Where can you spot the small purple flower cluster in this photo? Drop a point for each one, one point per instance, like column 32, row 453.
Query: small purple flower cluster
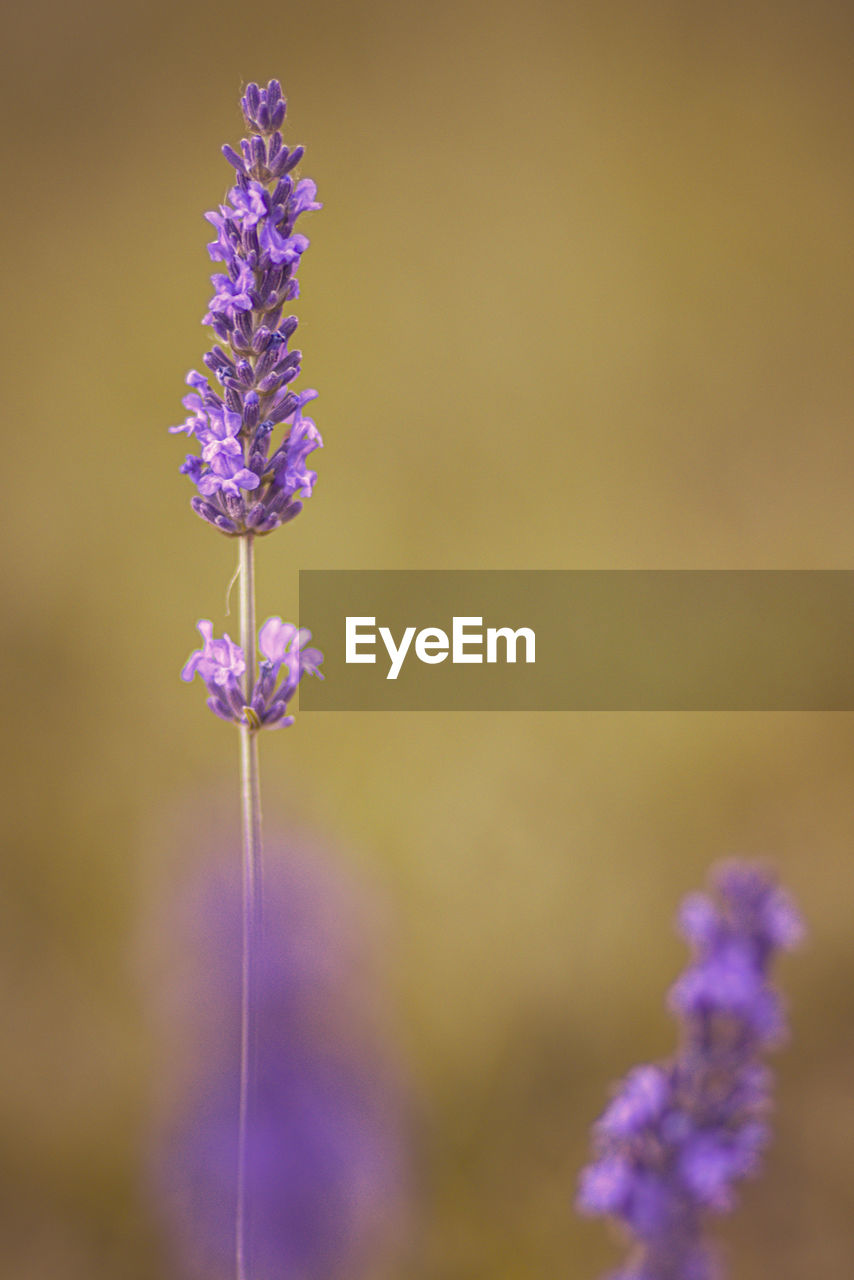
column 245, row 485
column 678, row 1135
column 221, row 664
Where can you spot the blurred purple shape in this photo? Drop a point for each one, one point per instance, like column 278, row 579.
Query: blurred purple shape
column 326, row 1152
column 677, row 1136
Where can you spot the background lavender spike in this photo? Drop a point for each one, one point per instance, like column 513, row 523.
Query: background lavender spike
column 258, row 245
column 326, row 1151
column 677, row 1136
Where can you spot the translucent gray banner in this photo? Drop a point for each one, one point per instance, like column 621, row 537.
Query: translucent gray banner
column 571, row 640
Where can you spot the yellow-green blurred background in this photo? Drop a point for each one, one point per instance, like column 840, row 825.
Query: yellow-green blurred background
column 581, row 295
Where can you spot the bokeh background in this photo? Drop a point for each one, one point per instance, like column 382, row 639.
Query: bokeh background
column 582, row 295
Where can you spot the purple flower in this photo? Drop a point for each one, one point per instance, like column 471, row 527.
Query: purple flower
column 678, row 1136
column 290, row 471
column 604, row 1187
column 304, row 201
column 248, row 482
column 250, row 204
column 281, row 643
column 326, row 1159
column 221, row 663
column 232, row 294
column 640, row 1102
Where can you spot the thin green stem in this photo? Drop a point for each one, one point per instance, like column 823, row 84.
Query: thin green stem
column 252, row 850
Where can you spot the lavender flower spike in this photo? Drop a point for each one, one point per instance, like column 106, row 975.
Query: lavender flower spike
column 246, row 483
column 221, row 663
column 678, row 1135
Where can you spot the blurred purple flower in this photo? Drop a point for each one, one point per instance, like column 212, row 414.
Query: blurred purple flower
column 242, row 488
column 325, row 1142
column 679, row 1135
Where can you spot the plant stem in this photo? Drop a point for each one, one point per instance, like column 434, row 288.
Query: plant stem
column 251, row 810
